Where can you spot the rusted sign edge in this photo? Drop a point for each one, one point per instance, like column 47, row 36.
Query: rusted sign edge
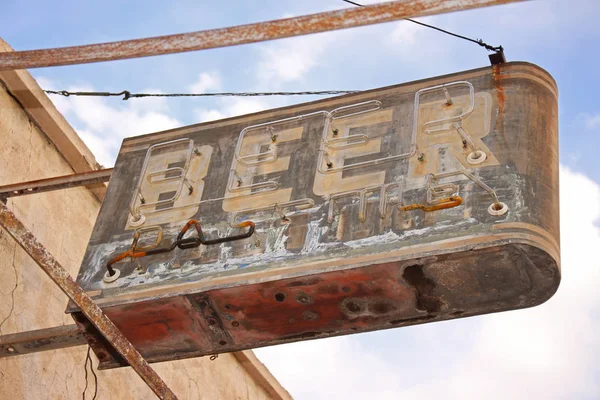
column 522, row 235
column 60, row 276
column 236, row 35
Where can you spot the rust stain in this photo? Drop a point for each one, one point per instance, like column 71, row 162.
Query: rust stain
column 160, row 324
column 339, row 301
column 500, row 96
column 450, row 202
column 500, row 99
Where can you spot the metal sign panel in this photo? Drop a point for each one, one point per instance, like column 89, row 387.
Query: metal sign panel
column 419, row 202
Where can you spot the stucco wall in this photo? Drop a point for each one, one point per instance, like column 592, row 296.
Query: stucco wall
column 62, row 221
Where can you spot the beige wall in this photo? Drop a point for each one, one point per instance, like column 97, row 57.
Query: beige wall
column 62, row 221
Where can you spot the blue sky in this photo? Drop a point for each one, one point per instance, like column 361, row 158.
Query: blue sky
column 546, row 352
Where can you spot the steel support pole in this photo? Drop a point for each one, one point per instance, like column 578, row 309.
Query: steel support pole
column 56, row 183
column 58, row 337
column 236, row 35
column 61, row 277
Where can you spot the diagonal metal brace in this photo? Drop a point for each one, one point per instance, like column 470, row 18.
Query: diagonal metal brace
column 43, row 258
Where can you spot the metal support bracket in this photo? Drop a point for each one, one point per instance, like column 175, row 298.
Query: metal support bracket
column 58, row 337
column 498, row 57
column 49, row 264
column 56, row 183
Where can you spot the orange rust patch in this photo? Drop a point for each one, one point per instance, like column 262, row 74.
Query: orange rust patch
column 500, row 99
column 309, row 306
column 167, row 323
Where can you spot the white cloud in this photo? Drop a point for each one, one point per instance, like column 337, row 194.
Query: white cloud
column 549, row 351
column 230, row 107
column 405, row 33
column 203, row 115
column 63, row 104
column 290, row 60
column 206, row 81
column 592, row 121
column 102, row 123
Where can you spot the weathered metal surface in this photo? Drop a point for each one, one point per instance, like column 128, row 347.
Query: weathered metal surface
column 414, row 203
column 56, row 183
column 61, row 277
column 251, row 33
column 58, row 337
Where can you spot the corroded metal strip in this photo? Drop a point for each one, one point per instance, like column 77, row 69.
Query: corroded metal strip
column 58, row 337
column 61, row 277
column 243, row 34
column 56, row 183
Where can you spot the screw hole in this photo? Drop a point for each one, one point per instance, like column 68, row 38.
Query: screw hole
column 222, row 342
column 280, row 297
column 353, row 306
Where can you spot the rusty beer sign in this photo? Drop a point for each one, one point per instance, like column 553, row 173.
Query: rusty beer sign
column 413, row 203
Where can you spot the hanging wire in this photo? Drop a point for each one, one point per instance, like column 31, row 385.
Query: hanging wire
column 476, row 41
column 128, row 95
column 88, row 358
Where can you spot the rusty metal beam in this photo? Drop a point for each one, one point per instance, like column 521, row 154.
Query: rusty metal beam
column 61, row 277
column 58, row 337
column 56, row 183
column 236, row 35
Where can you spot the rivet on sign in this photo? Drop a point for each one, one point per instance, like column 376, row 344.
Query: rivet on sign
column 10, row 349
column 335, row 132
column 329, row 164
column 421, row 157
